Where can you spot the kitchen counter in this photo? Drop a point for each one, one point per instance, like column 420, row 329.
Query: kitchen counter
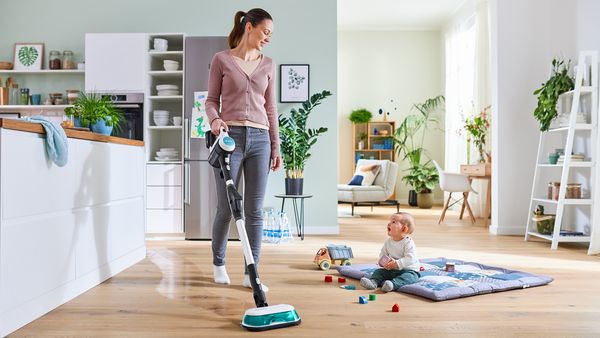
column 71, row 133
column 64, row 230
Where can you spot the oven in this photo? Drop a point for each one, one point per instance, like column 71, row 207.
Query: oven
column 132, row 106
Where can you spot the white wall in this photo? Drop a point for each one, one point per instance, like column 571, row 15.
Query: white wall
column 526, row 35
column 376, row 66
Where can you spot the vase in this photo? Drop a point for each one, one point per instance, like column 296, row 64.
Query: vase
column 293, row 186
column 468, row 151
column 361, row 145
column 425, row 200
column 412, row 198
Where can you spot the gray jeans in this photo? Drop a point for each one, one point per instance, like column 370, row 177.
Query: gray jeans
column 252, row 155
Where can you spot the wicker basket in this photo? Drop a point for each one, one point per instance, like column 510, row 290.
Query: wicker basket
column 544, row 223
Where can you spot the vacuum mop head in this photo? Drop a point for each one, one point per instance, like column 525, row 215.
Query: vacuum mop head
column 270, row 317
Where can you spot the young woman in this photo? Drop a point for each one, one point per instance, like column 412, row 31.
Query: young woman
column 242, row 84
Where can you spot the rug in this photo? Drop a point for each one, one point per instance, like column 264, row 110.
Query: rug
column 468, row 279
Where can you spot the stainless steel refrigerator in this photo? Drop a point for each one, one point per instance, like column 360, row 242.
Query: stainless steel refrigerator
column 200, row 197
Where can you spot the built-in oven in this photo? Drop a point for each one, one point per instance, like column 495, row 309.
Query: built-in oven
column 132, row 106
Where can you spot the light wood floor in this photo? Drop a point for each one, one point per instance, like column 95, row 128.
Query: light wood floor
column 171, row 294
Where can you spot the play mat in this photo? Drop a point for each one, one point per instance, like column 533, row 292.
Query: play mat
column 468, row 279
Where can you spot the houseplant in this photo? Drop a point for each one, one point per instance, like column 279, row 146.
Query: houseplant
column 296, row 141
column 360, row 115
column 410, row 135
column 477, row 129
column 423, row 178
column 96, row 111
column 548, row 94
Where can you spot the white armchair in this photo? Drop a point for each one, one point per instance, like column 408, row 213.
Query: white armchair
column 454, row 182
column 377, row 194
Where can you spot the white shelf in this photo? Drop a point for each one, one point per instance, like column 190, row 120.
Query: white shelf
column 164, row 162
column 572, row 239
column 584, row 90
column 166, row 98
column 574, row 164
column 579, row 126
column 166, row 73
column 167, row 53
column 165, row 127
column 567, row 201
column 34, row 107
column 43, row 71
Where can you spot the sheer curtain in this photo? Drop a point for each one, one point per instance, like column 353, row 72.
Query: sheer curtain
column 468, row 90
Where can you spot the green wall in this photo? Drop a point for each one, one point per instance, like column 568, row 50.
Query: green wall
column 304, row 32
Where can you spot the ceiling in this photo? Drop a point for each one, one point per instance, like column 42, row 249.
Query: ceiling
column 395, row 14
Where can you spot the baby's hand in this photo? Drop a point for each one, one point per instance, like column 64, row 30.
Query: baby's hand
column 391, row 265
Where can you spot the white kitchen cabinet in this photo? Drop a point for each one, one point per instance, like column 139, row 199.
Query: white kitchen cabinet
column 163, row 220
column 115, row 62
column 163, row 197
column 163, row 175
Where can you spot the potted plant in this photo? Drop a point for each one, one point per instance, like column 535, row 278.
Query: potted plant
column 296, row 141
column 410, row 135
column 362, row 137
column 477, row 128
column 423, row 178
column 360, row 115
column 97, row 112
column 548, row 94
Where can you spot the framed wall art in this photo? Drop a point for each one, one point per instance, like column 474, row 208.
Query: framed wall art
column 28, row 56
column 294, row 82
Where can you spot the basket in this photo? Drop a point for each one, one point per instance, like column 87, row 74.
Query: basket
column 544, row 223
column 5, row 65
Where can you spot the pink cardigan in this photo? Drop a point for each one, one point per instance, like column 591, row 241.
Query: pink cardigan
column 243, row 97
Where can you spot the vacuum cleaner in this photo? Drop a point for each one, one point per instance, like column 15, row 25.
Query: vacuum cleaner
column 263, row 317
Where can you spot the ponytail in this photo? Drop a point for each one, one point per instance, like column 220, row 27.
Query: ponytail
column 254, row 16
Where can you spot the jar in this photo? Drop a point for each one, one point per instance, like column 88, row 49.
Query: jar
column 54, row 60
column 24, row 98
column 68, row 62
column 573, row 190
column 14, row 95
column 72, row 95
column 555, row 190
column 550, row 190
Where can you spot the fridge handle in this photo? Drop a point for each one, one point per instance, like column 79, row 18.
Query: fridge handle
column 186, row 137
column 186, row 183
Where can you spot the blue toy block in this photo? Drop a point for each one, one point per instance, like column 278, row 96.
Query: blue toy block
column 362, row 300
column 348, row 287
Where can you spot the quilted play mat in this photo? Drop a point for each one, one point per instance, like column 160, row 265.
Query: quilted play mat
column 468, row 279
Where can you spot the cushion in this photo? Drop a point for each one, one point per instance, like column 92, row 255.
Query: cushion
column 365, row 175
column 468, row 279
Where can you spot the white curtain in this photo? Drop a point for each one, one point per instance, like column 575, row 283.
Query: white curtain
column 468, row 90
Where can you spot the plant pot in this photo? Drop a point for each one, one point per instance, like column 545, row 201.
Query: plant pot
column 100, row 127
column 412, row 198
column 425, row 200
column 293, row 186
column 77, row 123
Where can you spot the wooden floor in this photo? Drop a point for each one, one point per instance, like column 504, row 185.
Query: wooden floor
column 171, row 293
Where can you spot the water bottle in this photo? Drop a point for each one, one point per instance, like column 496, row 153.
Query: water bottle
column 265, row 216
column 270, row 227
column 285, row 225
column 277, row 228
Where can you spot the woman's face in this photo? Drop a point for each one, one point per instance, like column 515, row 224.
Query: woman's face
column 259, row 36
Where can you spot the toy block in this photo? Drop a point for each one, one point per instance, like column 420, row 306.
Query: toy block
column 372, row 296
column 348, row 287
column 449, row 267
column 396, row 308
column 341, row 280
column 328, row 279
column 422, row 268
column 362, row 300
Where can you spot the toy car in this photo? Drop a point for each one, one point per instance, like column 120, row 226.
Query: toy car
column 328, row 255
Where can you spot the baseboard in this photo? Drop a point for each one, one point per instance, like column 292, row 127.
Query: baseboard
column 15, row 318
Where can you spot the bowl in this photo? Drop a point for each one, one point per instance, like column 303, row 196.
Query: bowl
column 172, row 62
column 171, row 67
column 168, row 154
column 167, row 92
column 167, row 86
column 168, row 149
column 161, row 121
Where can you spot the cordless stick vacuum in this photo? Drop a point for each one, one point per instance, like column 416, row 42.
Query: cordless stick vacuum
column 263, row 317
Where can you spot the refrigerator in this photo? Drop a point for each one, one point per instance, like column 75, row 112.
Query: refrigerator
column 200, row 196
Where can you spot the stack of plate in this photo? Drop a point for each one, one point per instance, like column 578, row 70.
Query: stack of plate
column 167, row 90
column 167, row 154
column 161, row 117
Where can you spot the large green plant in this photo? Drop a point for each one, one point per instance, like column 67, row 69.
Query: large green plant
column 548, row 94
column 410, row 135
column 90, row 108
column 422, row 177
column 297, row 138
column 360, row 115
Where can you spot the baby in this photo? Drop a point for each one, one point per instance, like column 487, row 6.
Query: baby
column 398, row 256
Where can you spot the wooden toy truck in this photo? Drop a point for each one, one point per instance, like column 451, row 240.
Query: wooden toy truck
column 328, row 255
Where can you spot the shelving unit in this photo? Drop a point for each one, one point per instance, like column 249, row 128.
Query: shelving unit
column 43, row 71
column 164, row 209
column 575, row 215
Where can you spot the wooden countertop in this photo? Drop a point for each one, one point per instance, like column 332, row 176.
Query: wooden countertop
column 72, row 133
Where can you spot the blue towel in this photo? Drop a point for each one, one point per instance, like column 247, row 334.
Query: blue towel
column 57, row 146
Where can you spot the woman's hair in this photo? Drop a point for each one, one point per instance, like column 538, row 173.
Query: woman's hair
column 254, row 16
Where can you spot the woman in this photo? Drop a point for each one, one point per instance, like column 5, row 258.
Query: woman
column 244, row 79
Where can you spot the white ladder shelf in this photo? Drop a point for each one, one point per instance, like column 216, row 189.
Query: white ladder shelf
column 584, row 133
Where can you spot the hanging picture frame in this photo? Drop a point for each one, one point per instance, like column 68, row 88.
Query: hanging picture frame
column 294, row 82
column 28, row 56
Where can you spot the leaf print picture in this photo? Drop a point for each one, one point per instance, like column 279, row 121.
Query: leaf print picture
column 294, row 82
column 28, row 56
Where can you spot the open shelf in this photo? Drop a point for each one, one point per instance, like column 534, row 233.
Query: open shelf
column 43, row 71
column 35, row 107
column 567, row 201
column 584, row 90
column 573, row 239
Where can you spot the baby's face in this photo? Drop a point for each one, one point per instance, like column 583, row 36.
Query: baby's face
column 395, row 228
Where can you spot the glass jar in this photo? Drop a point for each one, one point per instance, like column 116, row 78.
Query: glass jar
column 550, row 190
column 54, row 60
column 14, row 95
column 24, row 98
column 573, row 190
column 555, row 190
column 68, row 62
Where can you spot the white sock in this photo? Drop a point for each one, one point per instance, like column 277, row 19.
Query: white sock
column 387, row 286
column 246, row 283
column 220, row 274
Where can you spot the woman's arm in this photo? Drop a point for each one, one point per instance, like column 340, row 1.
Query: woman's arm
column 272, row 116
column 215, row 81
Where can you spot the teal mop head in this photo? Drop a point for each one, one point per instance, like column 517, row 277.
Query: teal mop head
column 270, row 317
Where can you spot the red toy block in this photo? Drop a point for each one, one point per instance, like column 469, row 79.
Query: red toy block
column 421, row 269
column 341, row 280
column 396, row 308
column 328, row 279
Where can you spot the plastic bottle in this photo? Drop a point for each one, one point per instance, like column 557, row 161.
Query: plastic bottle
column 287, row 231
column 277, row 228
column 270, row 226
column 265, row 215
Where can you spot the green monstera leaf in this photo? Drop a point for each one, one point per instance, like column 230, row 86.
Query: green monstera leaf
column 28, row 55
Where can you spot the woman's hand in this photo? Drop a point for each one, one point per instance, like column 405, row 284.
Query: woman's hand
column 216, row 125
column 276, row 163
